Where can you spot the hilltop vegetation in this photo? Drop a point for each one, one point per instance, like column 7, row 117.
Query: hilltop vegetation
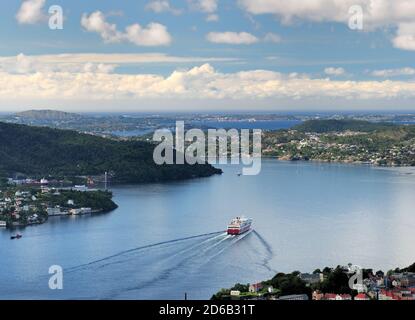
column 40, row 151
column 96, row 200
column 344, row 141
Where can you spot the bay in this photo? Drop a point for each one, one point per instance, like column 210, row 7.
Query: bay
column 168, row 239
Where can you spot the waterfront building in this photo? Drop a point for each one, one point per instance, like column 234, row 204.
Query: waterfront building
column 294, row 297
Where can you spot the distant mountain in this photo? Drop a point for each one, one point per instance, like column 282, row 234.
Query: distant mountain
column 47, row 115
column 322, row 126
column 41, row 151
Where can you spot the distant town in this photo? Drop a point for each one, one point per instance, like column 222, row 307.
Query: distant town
column 351, row 141
column 328, row 284
column 129, row 125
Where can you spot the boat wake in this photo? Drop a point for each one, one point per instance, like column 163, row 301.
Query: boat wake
column 72, row 269
column 133, row 273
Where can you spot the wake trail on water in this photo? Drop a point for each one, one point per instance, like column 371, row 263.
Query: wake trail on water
column 76, row 268
column 149, row 265
column 270, row 253
column 205, row 254
column 193, row 249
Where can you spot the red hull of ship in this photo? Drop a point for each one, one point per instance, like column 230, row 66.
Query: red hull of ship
column 238, row 231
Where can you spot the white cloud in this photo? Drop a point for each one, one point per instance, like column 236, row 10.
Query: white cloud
column 22, row 64
column 231, row 37
column 272, row 37
column 394, row 72
column 405, row 36
column 159, row 6
column 200, row 83
column 212, row 18
column 334, row 71
column 92, row 62
column 31, row 12
column 154, row 34
column 272, row 58
column 208, row 6
column 96, row 22
column 399, row 14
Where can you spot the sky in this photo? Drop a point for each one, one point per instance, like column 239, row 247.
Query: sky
column 202, row 55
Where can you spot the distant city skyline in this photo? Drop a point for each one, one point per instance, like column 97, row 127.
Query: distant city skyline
column 207, row 55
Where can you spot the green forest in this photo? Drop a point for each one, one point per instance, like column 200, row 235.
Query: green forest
column 44, row 152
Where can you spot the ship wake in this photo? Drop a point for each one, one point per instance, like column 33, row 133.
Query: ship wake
column 138, row 270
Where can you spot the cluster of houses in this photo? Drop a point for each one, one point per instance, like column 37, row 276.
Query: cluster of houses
column 334, row 151
column 59, row 211
column 27, row 181
column 394, row 286
column 397, row 286
column 18, row 207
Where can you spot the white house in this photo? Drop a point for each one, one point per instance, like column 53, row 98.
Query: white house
column 75, row 211
column 54, row 211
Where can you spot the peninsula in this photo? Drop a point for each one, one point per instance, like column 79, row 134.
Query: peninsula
column 50, row 172
column 347, row 140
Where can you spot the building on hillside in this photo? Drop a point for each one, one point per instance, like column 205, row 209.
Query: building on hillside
column 256, row 287
column 311, row 278
column 56, row 211
column 408, row 280
column 361, row 296
column 75, row 211
column 331, row 296
column 317, row 295
column 295, row 297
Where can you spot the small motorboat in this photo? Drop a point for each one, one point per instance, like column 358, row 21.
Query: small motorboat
column 17, row 236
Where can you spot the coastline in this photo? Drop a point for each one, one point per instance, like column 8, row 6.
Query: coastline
column 337, row 161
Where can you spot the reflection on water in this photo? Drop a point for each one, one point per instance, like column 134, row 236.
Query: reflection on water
column 164, row 239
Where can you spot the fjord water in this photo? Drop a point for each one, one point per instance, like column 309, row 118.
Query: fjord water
column 167, row 239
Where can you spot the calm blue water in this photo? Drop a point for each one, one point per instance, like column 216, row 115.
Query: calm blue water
column 261, row 124
column 306, row 215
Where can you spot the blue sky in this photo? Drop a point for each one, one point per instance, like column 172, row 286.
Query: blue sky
column 207, row 54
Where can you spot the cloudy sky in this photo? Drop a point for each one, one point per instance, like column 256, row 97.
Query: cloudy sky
column 195, row 55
